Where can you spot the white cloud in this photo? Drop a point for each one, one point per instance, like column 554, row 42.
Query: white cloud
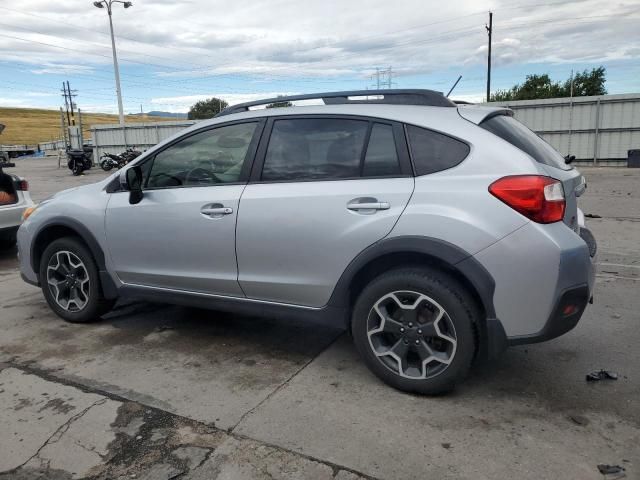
column 316, row 37
column 310, row 45
column 62, row 69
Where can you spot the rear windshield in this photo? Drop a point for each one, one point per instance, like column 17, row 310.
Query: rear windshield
column 514, row 132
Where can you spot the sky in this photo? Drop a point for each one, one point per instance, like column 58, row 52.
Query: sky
column 175, row 52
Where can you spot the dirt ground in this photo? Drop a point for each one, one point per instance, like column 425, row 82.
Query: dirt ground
column 160, row 392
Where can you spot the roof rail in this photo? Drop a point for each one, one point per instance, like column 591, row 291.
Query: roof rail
column 388, row 96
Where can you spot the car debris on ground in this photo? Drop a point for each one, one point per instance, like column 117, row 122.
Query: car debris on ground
column 598, row 375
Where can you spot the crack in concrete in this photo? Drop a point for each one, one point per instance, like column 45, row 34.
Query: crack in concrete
column 49, row 376
column 283, row 384
column 57, row 435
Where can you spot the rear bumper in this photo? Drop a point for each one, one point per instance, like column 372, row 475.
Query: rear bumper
column 566, row 315
column 11, row 215
column 544, row 276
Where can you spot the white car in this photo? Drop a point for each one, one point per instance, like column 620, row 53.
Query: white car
column 14, row 200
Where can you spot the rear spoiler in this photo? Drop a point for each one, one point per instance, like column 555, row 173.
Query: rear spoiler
column 479, row 113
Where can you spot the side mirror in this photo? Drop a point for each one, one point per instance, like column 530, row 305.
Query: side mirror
column 131, row 180
column 569, row 159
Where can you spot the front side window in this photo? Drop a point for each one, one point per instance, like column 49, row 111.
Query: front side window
column 310, row 148
column 432, row 151
column 207, row 158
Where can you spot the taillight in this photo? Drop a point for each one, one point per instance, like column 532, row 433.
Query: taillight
column 538, row 198
column 22, row 185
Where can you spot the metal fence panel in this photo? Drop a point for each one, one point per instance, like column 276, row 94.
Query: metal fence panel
column 115, row 139
column 594, row 129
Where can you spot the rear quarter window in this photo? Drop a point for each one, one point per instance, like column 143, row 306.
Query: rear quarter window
column 432, row 151
column 518, row 135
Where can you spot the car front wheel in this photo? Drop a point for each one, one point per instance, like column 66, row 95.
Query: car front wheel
column 415, row 329
column 70, row 281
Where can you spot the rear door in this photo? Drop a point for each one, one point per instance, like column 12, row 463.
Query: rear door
column 323, row 188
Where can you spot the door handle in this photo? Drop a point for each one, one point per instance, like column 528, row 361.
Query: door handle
column 216, row 210
column 367, row 204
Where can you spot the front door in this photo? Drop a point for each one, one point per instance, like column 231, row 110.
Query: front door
column 182, row 234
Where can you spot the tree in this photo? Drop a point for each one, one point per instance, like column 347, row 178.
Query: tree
column 206, row 108
column 587, row 83
column 279, row 104
column 541, row 86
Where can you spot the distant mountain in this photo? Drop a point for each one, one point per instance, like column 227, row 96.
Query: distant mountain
column 157, row 113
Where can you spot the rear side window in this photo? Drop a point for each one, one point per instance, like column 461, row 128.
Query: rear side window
column 314, row 148
column 514, row 132
column 381, row 158
column 432, row 151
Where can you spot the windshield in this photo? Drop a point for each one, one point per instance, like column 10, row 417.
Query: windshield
column 514, row 132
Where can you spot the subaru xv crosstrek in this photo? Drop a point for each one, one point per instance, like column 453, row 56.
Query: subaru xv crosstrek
column 436, row 233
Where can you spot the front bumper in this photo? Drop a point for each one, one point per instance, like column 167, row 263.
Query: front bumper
column 11, row 215
column 24, row 255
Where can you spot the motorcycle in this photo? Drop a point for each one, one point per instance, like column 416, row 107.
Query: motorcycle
column 110, row 160
column 131, row 154
column 78, row 161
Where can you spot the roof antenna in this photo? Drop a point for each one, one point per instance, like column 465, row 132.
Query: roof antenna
column 454, row 86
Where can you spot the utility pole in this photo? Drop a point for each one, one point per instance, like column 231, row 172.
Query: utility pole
column 69, row 104
column 66, row 102
column 490, row 32
column 570, row 113
column 116, row 70
column 389, row 77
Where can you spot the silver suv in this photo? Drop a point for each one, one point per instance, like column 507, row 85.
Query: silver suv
column 436, row 233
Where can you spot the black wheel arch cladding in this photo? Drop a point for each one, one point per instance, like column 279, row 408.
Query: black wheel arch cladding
column 452, row 256
column 58, row 226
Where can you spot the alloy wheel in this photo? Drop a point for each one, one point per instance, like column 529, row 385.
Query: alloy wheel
column 411, row 334
column 68, row 280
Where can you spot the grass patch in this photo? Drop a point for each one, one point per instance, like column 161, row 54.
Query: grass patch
column 30, row 125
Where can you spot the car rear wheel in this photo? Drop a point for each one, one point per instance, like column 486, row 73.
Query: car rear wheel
column 71, row 283
column 415, row 330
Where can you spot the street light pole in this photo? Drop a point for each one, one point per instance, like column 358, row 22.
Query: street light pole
column 116, row 69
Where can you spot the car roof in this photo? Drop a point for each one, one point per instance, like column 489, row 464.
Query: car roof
column 413, row 114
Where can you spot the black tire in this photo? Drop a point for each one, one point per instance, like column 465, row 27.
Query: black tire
column 106, row 165
column 96, row 304
column 461, row 310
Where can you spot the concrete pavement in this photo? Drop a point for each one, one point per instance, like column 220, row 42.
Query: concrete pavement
column 157, row 391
